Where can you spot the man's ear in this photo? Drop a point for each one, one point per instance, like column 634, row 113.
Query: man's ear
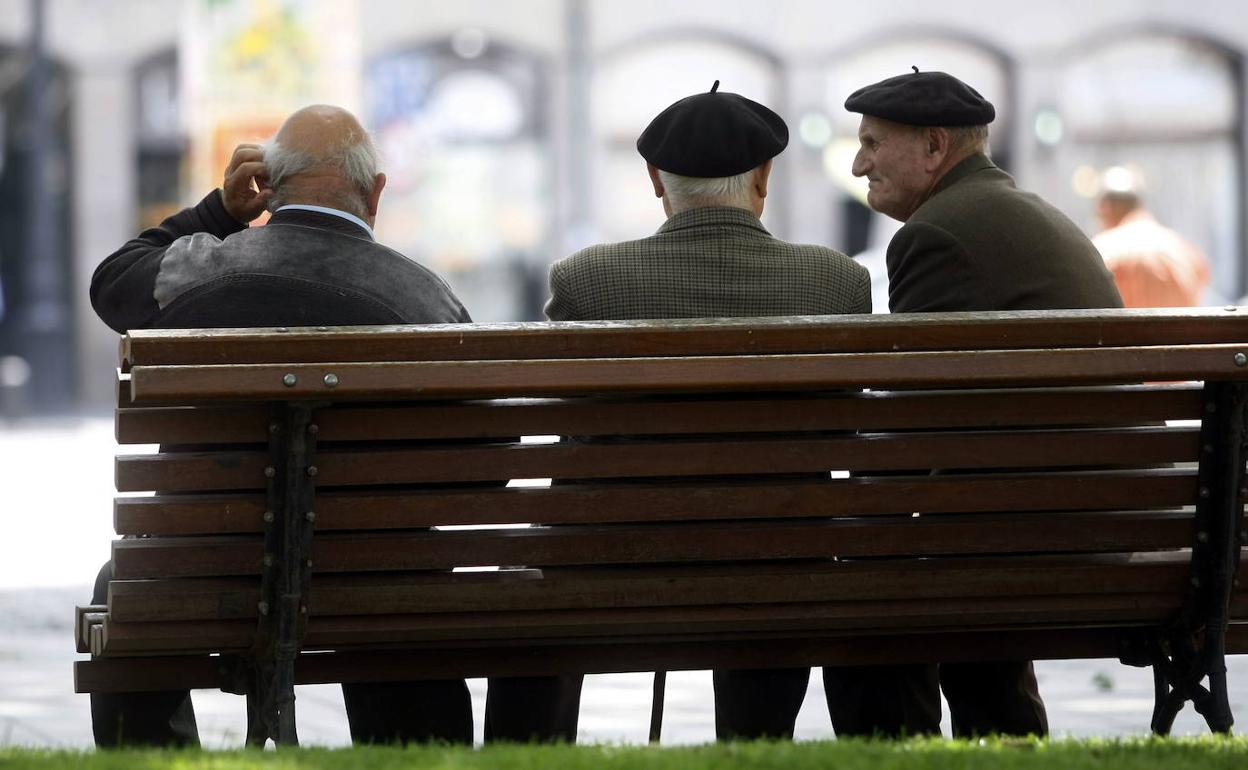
column 379, row 183
column 761, row 175
column 936, row 145
column 655, row 180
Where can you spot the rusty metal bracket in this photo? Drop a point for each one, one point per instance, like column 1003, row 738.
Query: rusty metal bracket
column 286, row 573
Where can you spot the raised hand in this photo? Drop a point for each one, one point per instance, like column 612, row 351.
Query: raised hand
column 246, row 191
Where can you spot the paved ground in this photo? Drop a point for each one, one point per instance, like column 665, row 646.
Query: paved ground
column 57, row 487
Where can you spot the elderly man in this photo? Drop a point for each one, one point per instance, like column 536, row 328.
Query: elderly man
column 971, row 241
column 709, row 157
column 315, row 262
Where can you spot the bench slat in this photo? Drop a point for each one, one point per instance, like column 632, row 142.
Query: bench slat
column 493, row 379
column 571, row 588
column 193, row 425
column 191, row 471
column 196, row 471
column 671, row 501
column 591, row 417
column 825, row 334
column 618, row 544
column 862, row 411
column 717, row 622
column 172, row 672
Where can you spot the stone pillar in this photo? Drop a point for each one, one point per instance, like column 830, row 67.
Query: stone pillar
column 104, row 214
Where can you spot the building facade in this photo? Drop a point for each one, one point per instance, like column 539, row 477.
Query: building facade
column 508, row 127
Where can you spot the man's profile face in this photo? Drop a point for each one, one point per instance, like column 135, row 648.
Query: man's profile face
column 892, row 157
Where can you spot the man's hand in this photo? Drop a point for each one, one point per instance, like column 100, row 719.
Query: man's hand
column 243, row 201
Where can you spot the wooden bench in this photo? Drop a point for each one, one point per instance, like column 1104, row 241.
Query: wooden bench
column 1074, row 512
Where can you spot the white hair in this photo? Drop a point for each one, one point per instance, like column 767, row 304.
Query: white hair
column 969, row 138
column 357, row 161
column 687, row 192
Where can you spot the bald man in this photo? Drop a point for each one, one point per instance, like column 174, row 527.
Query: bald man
column 314, row 263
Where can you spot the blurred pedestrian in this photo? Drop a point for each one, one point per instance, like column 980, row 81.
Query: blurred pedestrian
column 1153, row 265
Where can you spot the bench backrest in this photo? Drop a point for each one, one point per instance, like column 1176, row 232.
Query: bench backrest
column 727, row 480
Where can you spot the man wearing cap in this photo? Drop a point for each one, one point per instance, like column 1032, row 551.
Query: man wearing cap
column 709, row 157
column 971, row 241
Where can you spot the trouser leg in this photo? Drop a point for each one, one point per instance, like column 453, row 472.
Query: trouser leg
column 162, row 718
column 409, row 712
column 758, row 703
column 993, row 697
column 532, row 709
column 883, row 701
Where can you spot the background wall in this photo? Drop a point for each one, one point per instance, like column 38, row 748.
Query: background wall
column 508, row 125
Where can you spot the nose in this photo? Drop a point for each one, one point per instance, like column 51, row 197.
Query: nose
column 861, row 164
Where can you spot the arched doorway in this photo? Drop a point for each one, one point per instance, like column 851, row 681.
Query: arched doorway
column 1169, row 106
column 461, row 123
column 635, row 82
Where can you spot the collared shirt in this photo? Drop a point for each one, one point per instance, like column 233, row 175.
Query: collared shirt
column 352, row 218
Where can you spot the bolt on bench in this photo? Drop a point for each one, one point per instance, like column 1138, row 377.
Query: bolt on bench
column 1008, row 490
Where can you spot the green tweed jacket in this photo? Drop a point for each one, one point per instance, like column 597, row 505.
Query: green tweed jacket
column 980, row 243
column 706, row 263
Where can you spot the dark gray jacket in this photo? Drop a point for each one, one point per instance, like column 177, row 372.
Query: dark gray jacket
column 200, row 268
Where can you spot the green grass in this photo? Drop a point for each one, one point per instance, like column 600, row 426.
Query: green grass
column 1209, row 753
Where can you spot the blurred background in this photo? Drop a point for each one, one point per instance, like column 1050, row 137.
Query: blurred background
column 507, row 127
column 508, row 130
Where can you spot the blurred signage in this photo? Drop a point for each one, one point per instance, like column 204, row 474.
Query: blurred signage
column 247, row 64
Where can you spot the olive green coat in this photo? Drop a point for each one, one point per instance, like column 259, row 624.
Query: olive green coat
column 980, row 243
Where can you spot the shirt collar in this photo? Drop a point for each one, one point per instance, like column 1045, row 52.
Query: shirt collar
column 352, row 218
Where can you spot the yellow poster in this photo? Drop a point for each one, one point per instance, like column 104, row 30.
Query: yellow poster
column 247, row 64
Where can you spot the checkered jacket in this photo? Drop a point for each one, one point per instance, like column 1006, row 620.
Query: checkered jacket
column 706, row 263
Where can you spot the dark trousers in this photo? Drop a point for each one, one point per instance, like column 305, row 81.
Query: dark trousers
column 543, row 709
column 388, row 712
column 883, row 701
column 997, row 697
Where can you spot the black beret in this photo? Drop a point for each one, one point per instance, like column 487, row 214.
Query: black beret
column 713, row 135
column 923, row 99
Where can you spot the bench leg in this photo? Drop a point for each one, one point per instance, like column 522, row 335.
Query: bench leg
column 1193, row 647
column 271, row 705
column 1176, row 681
column 257, row 727
column 1180, row 661
column 1216, row 708
column 656, row 706
column 270, row 695
column 284, row 698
